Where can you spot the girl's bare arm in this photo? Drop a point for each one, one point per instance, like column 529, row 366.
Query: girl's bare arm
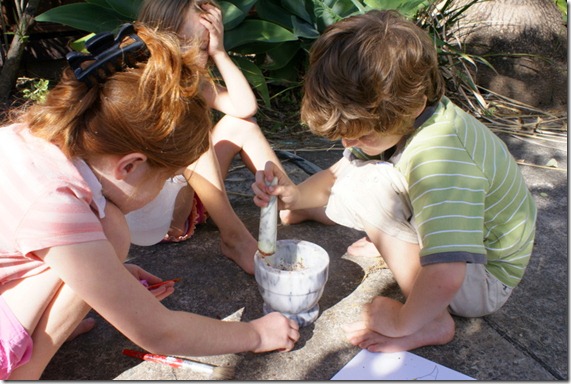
column 94, row 272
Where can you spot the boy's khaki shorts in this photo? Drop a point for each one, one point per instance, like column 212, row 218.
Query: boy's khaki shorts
column 481, row 293
column 373, row 192
column 376, row 193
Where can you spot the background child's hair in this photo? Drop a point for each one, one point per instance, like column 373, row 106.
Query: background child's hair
column 155, row 109
column 369, row 72
column 169, row 14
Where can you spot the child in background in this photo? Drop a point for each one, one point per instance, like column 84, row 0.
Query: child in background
column 235, row 133
column 100, row 146
column 436, row 192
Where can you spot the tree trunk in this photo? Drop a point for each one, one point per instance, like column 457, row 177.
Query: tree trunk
column 9, row 73
column 526, row 43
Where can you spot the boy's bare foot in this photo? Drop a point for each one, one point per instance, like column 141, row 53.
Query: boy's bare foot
column 84, row 326
column 241, row 250
column 439, row 331
column 288, row 217
column 363, row 247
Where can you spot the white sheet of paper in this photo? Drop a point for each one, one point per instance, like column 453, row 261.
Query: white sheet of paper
column 395, row 366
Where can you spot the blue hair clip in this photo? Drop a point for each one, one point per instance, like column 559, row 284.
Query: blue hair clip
column 107, row 56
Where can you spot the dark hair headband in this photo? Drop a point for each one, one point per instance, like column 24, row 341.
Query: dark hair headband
column 107, row 56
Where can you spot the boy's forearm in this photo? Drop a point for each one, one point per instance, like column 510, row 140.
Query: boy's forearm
column 316, row 189
column 314, row 192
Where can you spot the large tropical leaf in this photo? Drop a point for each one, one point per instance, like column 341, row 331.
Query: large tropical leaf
column 256, row 31
column 243, row 5
column 255, row 77
column 324, row 14
column 271, row 10
column 281, row 55
column 233, row 15
column 101, row 3
column 127, row 8
column 407, row 8
column 303, row 29
column 83, row 16
column 297, row 8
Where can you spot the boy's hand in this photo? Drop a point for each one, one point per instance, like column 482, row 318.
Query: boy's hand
column 285, row 190
column 211, row 19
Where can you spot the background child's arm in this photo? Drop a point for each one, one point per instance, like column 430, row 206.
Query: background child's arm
column 236, row 98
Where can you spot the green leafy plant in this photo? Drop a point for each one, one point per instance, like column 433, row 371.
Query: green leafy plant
column 33, row 89
column 562, row 5
column 269, row 40
column 279, row 33
column 93, row 15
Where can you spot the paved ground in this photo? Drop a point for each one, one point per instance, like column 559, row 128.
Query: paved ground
column 526, row 340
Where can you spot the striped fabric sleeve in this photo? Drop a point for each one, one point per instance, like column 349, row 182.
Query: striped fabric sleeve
column 447, row 192
column 469, row 198
column 59, row 218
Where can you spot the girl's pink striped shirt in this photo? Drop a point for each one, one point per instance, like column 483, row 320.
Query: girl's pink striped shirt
column 44, row 202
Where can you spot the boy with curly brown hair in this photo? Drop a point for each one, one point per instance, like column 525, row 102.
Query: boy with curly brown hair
column 436, row 192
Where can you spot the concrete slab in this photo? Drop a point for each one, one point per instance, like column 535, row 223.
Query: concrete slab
column 526, row 340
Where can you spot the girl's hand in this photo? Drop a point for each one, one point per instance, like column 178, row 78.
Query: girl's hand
column 140, row 274
column 285, row 190
column 211, row 19
column 276, row 332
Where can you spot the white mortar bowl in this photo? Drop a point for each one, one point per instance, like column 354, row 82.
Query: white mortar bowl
column 294, row 293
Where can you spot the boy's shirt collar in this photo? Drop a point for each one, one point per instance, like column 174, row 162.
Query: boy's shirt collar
column 426, row 114
column 386, row 155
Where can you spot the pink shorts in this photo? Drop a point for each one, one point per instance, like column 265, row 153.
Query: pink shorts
column 15, row 343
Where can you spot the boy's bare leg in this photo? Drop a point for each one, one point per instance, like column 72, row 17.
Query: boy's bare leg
column 363, row 247
column 403, row 259
column 296, row 216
